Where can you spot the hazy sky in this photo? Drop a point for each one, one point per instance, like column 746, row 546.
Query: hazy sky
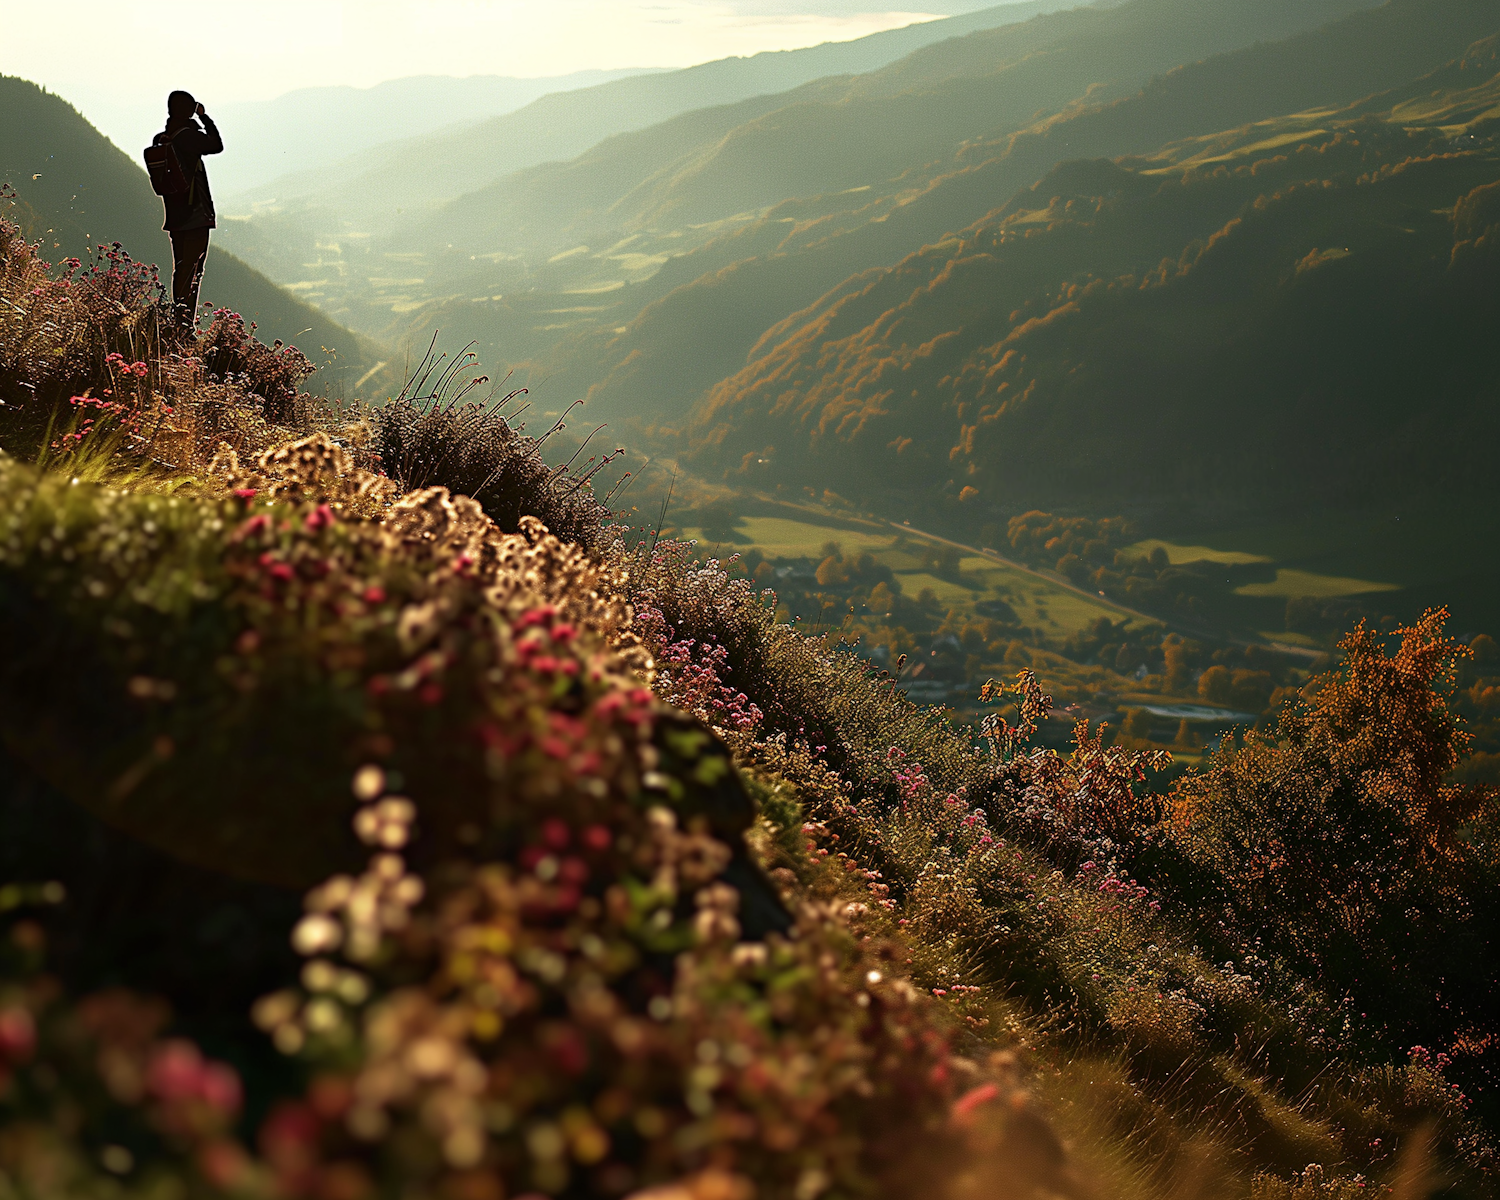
column 119, row 52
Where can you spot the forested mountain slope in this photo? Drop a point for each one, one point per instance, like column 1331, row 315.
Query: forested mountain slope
column 602, row 315
column 717, row 300
column 526, row 245
column 1296, row 310
column 82, row 192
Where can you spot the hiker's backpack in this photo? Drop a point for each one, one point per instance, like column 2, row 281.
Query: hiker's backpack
column 167, row 176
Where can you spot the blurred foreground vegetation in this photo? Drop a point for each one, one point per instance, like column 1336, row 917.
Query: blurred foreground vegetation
column 364, row 837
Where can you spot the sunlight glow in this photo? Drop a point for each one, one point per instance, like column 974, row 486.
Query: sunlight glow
column 254, row 52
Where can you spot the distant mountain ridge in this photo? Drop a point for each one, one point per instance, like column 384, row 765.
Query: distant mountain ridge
column 866, row 127
column 310, row 127
column 530, row 260
column 561, row 125
column 82, row 191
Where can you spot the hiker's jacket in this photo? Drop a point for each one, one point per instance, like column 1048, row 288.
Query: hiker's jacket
column 193, row 209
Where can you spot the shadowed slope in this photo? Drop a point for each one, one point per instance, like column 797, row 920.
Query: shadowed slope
column 1298, row 315
column 706, row 311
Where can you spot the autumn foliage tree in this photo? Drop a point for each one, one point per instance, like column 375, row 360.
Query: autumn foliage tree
column 1338, row 839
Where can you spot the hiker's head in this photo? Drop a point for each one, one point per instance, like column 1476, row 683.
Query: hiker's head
column 181, row 105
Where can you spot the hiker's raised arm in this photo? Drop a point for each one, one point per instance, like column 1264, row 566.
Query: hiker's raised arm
column 213, row 143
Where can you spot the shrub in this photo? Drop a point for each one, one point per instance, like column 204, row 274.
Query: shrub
column 70, row 334
column 1337, row 842
column 275, row 373
column 92, row 367
column 536, row 1005
column 903, row 803
column 1313, row 1183
column 429, row 435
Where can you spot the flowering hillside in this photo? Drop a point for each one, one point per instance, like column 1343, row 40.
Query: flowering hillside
column 380, row 820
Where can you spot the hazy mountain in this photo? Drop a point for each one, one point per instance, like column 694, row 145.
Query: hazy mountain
column 82, row 191
column 857, row 131
column 372, row 185
column 1295, row 311
column 312, row 127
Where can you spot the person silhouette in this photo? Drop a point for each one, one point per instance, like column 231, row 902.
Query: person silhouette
column 190, row 214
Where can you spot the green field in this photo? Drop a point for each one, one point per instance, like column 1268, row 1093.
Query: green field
column 1291, row 582
column 1177, row 554
column 781, row 537
column 1406, row 545
column 1041, row 603
column 1302, row 641
column 1326, row 556
column 1414, row 555
column 949, row 594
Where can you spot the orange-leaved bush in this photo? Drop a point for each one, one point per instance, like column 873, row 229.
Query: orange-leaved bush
column 1337, row 841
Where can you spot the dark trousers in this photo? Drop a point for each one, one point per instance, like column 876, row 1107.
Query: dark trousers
column 189, row 249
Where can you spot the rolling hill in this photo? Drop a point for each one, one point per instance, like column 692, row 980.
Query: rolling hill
column 81, row 191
